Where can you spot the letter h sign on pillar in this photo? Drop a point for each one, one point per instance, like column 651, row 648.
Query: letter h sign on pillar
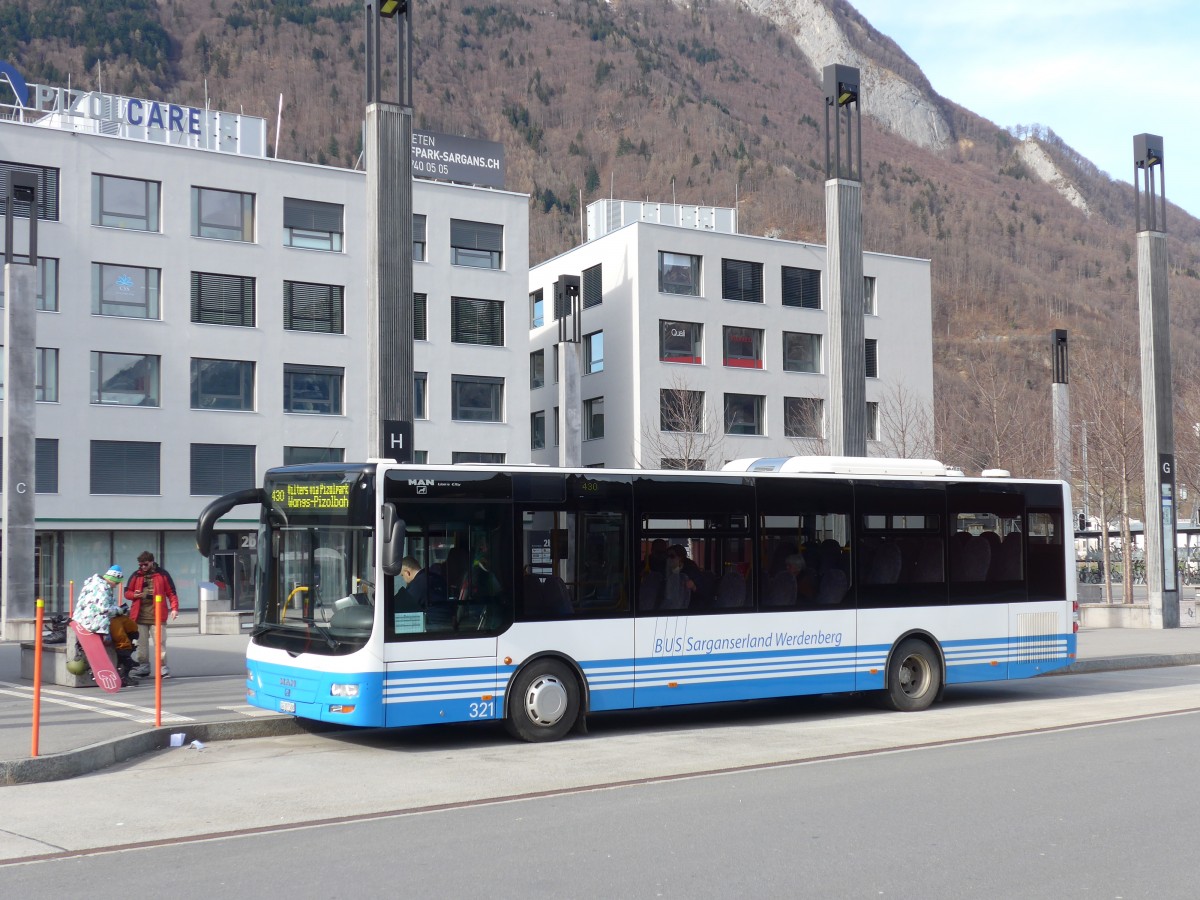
column 397, row 440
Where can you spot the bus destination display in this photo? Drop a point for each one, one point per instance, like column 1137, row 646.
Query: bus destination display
column 315, row 496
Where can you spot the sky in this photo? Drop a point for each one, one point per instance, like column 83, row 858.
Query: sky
column 1096, row 72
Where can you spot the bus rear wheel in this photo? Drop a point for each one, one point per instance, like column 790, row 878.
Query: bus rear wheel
column 543, row 703
column 914, row 676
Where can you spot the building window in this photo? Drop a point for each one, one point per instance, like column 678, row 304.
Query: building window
column 130, row 291
column 869, row 304
column 593, row 353
column 312, row 389
column 467, row 457
column 801, row 352
column 125, row 467
column 872, row 421
column 557, row 427
column 47, row 280
column 298, row 456
column 593, row 419
column 537, row 309
column 308, row 224
column 125, row 203
column 47, row 190
column 680, row 342
column 314, row 307
column 537, row 369
column 420, row 395
column 556, row 366
column 420, row 457
column 681, row 410
column 225, row 215
column 678, row 273
column 45, row 466
column 222, row 384
column 222, row 468
column 418, row 228
column 741, row 281
column 125, row 379
column 872, row 358
column 803, row 417
column 477, row 321
column 420, row 317
column 223, row 299
column 743, row 414
column 476, row 398
column 476, row 244
column 743, row 347
column 45, row 375
column 592, row 287
column 801, row 287
column 537, row 430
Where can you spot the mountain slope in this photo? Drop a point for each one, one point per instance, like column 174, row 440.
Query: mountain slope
column 711, row 102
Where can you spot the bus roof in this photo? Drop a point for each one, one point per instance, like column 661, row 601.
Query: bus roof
column 842, row 465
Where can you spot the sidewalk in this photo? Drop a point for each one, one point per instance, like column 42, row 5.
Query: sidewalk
column 83, row 729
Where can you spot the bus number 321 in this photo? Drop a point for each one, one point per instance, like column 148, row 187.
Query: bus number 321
column 485, row 710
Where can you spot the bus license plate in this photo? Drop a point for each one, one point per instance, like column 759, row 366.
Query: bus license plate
column 288, row 706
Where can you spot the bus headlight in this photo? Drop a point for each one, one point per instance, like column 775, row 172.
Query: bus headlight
column 343, row 690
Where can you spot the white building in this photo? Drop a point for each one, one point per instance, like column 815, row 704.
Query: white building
column 702, row 345
column 202, row 318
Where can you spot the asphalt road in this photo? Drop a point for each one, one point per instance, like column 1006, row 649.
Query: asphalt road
column 1076, row 786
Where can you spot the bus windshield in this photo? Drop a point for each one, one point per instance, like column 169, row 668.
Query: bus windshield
column 316, row 561
column 319, row 588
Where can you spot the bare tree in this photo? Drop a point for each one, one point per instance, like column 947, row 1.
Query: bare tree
column 905, row 423
column 804, row 425
column 1105, row 395
column 994, row 414
column 686, row 433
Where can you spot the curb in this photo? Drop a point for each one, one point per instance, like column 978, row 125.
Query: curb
column 1120, row 663
column 72, row 763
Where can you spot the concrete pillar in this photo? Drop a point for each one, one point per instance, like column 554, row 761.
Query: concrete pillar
column 570, row 402
column 389, row 274
column 1158, row 429
column 844, row 300
column 16, row 557
column 1060, row 399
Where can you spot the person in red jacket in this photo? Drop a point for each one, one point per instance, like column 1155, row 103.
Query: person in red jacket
column 141, row 589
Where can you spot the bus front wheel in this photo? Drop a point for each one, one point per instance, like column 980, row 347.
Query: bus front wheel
column 544, row 702
column 914, row 676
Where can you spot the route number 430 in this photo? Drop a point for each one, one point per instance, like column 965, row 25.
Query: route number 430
column 484, row 710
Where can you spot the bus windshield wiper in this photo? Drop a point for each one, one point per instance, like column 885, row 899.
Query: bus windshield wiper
column 333, row 642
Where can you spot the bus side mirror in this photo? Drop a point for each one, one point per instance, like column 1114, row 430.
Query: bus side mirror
column 392, row 533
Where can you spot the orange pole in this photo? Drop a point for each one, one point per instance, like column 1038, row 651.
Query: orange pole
column 71, row 595
column 157, row 660
column 37, row 676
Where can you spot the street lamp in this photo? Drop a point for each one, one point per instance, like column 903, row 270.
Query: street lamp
column 842, row 96
column 388, row 152
column 842, row 283
column 1148, row 156
column 1158, row 429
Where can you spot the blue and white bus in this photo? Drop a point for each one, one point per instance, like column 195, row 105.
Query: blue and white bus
column 393, row 595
